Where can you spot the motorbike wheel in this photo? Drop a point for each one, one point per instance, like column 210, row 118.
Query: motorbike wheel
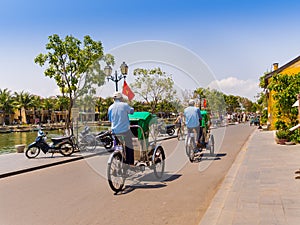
column 66, row 149
column 171, row 131
column 32, row 152
column 108, row 142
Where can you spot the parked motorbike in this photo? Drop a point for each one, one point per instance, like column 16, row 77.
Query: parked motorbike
column 104, row 138
column 166, row 129
column 63, row 145
column 89, row 141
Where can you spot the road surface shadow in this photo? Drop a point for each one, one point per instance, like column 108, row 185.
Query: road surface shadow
column 148, row 181
column 207, row 157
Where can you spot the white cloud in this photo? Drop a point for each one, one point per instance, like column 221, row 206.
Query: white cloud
column 234, row 86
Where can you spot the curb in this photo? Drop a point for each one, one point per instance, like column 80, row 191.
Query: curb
column 44, row 166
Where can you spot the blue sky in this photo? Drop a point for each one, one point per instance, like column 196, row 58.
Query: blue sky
column 238, row 39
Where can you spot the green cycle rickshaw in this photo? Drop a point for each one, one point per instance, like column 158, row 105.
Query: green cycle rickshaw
column 148, row 153
column 206, row 140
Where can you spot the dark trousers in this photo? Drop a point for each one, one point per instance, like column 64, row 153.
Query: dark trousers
column 128, row 147
column 198, row 132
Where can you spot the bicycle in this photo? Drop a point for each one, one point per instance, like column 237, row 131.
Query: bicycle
column 87, row 141
column 180, row 132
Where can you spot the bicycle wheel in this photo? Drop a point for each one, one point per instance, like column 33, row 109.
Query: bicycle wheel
column 186, row 144
column 179, row 134
column 211, row 145
column 116, row 172
column 82, row 144
column 191, row 148
column 90, row 142
column 159, row 162
column 32, row 152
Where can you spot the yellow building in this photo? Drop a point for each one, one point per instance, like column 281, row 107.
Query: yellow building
column 290, row 68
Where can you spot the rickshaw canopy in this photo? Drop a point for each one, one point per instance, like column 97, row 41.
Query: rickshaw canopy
column 143, row 119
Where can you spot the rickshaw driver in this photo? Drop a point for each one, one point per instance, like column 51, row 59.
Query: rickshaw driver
column 193, row 119
column 120, row 125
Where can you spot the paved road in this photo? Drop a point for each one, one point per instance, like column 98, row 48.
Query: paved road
column 78, row 193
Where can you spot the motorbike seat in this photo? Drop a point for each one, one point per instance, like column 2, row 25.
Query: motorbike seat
column 55, row 139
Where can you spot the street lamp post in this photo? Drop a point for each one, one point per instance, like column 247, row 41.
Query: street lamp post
column 116, row 78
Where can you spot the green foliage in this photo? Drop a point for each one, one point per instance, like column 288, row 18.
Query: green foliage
column 215, row 101
column 153, row 85
column 285, row 88
column 6, row 101
column 280, row 125
column 295, row 136
column 283, row 134
column 262, row 81
column 73, row 65
column 232, row 103
column 109, row 59
column 264, row 117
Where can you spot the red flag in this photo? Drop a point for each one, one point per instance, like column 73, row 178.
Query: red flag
column 204, row 103
column 127, row 91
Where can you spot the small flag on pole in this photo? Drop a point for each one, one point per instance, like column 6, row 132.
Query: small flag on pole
column 127, row 91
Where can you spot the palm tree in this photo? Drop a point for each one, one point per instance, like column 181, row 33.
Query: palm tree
column 47, row 105
column 61, row 103
column 36, row 104
column 98, row 104
column 23, row 101
column 6, row 104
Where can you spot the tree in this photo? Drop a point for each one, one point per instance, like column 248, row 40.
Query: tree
column 73, row 65
column 47, row 105
column 61, row 103
column 153, row 85
column 36, row 104
column 6, row 104
column 285, row 88
column 23, row 101
column 215, row 102
column 232, row 103
column 199, row 93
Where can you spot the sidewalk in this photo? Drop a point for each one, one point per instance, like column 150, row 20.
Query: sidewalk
column 261, row 186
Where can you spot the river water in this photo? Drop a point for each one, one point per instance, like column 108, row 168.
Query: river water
column 9, row 140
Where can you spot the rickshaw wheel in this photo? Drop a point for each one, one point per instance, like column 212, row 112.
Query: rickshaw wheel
column 158, row 160
column 211, row 145
column 190, row 149
column 116, row 173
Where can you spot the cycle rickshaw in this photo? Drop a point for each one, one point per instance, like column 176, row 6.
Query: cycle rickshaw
column 147, row 152
column 207, row 139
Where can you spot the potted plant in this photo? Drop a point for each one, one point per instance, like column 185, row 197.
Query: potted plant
column 282, row 136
